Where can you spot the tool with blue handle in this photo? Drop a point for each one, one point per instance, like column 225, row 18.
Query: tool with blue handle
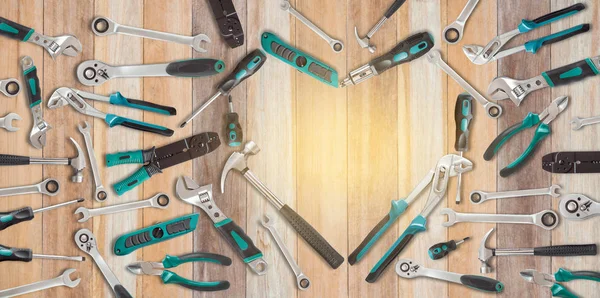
column 14, row 217
column 542, row 131
column 233, row 129
column 442, row 249
column 562, row 275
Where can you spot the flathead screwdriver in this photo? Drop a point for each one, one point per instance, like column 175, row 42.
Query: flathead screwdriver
column 25, row 255
column 8, row 219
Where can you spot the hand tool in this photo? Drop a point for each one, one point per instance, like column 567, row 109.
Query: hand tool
column 95, row 73
column 485, row 254
column 453, row 33
column 577, row 123
column 86, row 241
column 562, row 275
column 463, row 114
column 478, row 197
column 191, row 193
column 245, row 69
column 572, row 162
column 233, row 129
column 10, row 87
column 336, row 45
column 238, row 161
column 578, row 207
column 170, row 277
column 301, row 280
column 65, row 96
column 546, row 219
column 364, row 42
column 448, row 166
column 49, row 187
column 299, row 60
column 62, row 280
column 99, row 194
column 414, row 47
column 78, row 162
column 159, row 232
column 37, row 137
column 491, row 109
column 12, row 254
column 160, row 201
column 407, row 268
column 228, row 22
column 6, row 122
column 483, row 55
column 157, row 159
column 103, row 26
column 442, row 249
column 55, row 46
column 14, row 217
column 541, row 132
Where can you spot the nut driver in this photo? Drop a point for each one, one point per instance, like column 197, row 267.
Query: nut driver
column 14, row 217
column 365, row 42
column 578, row 207
column 25, row 255
column 49, row 187
column 62, row 280
column 37, row 137
column 562, row 275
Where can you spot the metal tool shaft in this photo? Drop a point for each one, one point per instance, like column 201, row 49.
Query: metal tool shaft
column 266, row 192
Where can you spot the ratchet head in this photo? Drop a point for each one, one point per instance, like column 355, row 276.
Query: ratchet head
column 546, row 219
column 103, row 26
column 451, row 217
column 93, row 72
column 86, row 241
column 49, row 187
column 364, row 42
column 453, row 33
column 10, row 87
column 6, row 122
column 578, row 207
column 66, row 278
column 407, row 268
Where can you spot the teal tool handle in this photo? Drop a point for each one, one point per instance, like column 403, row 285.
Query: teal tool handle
column 407, row 50
column 463, row 114
column 239, row 240
column 195, row 68
column 482, row 283
column 398, row 207
column 15, row 254
column 14, row 30
column 246, row 68
column 529, row 121
column 560, row 291
column 533, row 46
column 8, row 219
column 233, row 130
column 416, row 226
column 174, row 261
column 527, row 25
column 142, row 174
column 160, row 232
column 169, row 277
column 32, row 85
column 120, row 100
column 571, row 73
column 114, row 120
column 540, row 133
column 130, row 157
column 442, row 249
column 563, row 275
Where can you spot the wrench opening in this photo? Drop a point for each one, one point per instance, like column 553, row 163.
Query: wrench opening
column 52, row 187
column 12, row 88
column 452, row 35
column 100, row 25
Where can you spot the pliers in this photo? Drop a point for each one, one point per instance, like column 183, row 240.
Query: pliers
column 542, row 131
column 169, row 277
column 66, row 96
column 562, row 275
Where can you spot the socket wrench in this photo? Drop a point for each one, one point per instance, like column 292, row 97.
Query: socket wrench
column 546, row 219
column 578, row 207
column 577, row 123
column 62, row 280
column 160, row 201
column 453, row 33
column 103, row 26
column 478, row 197
column 100, row 194
column 491, row 109
column 302, row 281
column 49, row 187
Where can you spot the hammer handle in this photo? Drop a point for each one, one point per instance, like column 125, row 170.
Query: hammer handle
column 566, row 250
column 13, row 160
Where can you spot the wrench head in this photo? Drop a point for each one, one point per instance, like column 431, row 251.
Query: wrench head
column 576, row 123
column 6, row 122
column 66, row 44
column 554, row 191
column 451, row 217
column 453, row 33
column 197, row 42
column 37, row 136
column 86, row 241
column 66, row 278
column 10, row 87
column 504, row 87
column 49, row 187
column 546, row 219
column 576, row 207
column 267, row 222
column 85, row 214
column 364, row 42
column 103, row 26
column 93, row 72
column 189, row 191
column 85, row 128
column 476, row 197
column 407, row 268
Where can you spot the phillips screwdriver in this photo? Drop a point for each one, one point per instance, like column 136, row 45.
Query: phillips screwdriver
column 25, row 255
column 463, row 114
column 233, row 129
column 8, row 219
column 246, row 68
column 407, row 50
column 442, row 249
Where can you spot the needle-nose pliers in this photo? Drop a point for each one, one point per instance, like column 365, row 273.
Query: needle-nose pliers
column 562, row 275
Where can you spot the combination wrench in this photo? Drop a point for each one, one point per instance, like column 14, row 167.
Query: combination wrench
column 6, row 122
column 160, row 201
column 577, row 123
column 453, row 33
column 100, row 194
column 546, row 219
column 492, row 110
column 301, row 279
column 478, row 197
column 336, row 45
column 61, row 280
column 578, row 207
column 10, row 87
column 49, row 187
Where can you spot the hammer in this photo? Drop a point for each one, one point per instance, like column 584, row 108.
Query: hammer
column 237, row 161
column 77, row 162
column 485, row 254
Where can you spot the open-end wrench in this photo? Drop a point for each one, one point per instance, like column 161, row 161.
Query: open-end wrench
column 546, row 219
column 301, row 279
column 62, row 280
column 578, row 207
column 453, row 33
column 160, row 201
column 103, row 26
column 492, row 110
column 336, row 45
column 478, row 197
column 86, row 241
column 49, row 187
column 6, row 122
column 577, row 123
column 10, row 87
column 100, row 194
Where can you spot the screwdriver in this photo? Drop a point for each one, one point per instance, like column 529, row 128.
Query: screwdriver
column 25, row 255
column 463, row 114
column 407, row 50
column 442, row 249
column 246, row 68
column 8, row 219
column 233, row 129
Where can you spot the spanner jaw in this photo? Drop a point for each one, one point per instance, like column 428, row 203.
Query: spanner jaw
column 66, row 278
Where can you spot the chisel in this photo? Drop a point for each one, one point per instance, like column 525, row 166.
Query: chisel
column 463, row 114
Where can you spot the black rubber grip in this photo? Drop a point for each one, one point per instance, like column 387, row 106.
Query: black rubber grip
column 407, row 50
column 32, row 85
column 17, row 254
column 121, row 292
column 239, row 240
column 312, row 237
column 14, row 30
column 573, row 72
column 13, row 160
column 245, row 68
column 498, row 141
column 137, row 102
column 566, row 250
column 482, row 283
column 581, row 29
column 592, row 274
column 374, row 275
column 393, row 8
column 442, row 249
column 223, row 260
column 353, row 257
column 463, row 102
column 554, row 14
column 163, row 131
column 8, row 219
column 195, row 68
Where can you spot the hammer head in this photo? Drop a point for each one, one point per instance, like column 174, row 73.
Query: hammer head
column 485, row 254
column 364, row 42
column 237, row 161
column 78, row 164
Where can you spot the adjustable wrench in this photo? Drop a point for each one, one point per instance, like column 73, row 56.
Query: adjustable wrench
column 578, row 207
column 301, row 279
column 492, row 110
column 10, row 87
column 62, row 280
column 103, row 26
column 546, row 219
column 160, row 201
column 453, row 33
column 336, row 45
column 49, row 187
column 100, row 194
column 577, row 123
column 37, row 136
column 86, row 241
column 6, row 122
column 478, row 197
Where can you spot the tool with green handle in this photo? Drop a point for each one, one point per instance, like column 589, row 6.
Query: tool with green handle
column 37, row 136
column 233, row 129
column 463, row 114
column 14, row 217
column 12, row 254
column 169, row 277
column 442, row 249
column 562, row 275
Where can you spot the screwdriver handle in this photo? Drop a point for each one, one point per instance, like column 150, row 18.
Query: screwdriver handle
column 246, row 68
column 11, row 218
column 233, row 130
column 15, row 254
column 407, row 50
column 441, row 249
column 463, row 114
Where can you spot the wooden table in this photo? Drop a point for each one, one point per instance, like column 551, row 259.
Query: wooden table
column 337, row 156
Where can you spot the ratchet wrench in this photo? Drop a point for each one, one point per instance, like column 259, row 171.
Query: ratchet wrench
column 10, row 87
column 160, row 201
column 100, row 194
column 61, row 280
column 577, row 123
column 453, row 33
column 578, row 207
column 49, row 187
column 546, row 219
column 478, row 197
